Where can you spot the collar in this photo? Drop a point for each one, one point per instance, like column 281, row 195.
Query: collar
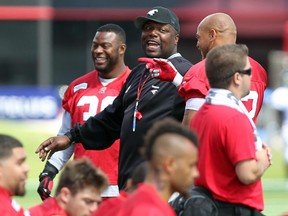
column 174, row 56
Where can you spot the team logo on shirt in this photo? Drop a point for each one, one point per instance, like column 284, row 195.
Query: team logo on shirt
column 102, row 90
column 80, row 86
column 155, row 89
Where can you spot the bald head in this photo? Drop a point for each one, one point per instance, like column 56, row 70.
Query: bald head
column 222, row 23
column 215, row 30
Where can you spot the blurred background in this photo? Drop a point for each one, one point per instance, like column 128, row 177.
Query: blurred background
column 45, row 44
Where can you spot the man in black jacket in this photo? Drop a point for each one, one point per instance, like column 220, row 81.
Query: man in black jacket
column 142, row 100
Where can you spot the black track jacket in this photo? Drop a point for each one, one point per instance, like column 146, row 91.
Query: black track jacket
column 158, row 99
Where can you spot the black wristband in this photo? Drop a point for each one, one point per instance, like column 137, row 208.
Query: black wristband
column 69, row 135
column 49, row 170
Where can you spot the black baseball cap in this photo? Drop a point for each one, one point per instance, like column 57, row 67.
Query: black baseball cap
column 160, row 15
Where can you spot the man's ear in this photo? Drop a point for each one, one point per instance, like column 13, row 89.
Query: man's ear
column 64, row 195
column 122, row 49
column 177, row 38
column 236, row 78
column 169, row 164
column 212, row 34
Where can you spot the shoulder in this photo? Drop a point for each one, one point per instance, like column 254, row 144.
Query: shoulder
column 258, row 72
column 181, row 64
column 197, row 70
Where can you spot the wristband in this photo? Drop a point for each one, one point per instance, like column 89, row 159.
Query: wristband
column 177, row 79
column 69, row 135
column 49, row 170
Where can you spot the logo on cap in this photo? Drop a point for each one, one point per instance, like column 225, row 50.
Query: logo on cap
column 152, row 12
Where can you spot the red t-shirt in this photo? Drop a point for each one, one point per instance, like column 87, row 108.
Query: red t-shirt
column 145, row 201
column 9, row 207
column 196, row 85
column 110, row 206
column 85, row 97
column 226, row 138
column 47, row 208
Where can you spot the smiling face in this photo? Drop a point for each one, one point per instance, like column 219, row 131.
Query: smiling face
column 107, row 49
column 159, row 40
column 13, row 172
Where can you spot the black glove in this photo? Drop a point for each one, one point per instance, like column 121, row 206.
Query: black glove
column 46, row 180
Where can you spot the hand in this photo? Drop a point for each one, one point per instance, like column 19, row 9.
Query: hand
column 269, row 153
column 46, row 180
column 45, row 187
column 51, row 145
column 162, row 69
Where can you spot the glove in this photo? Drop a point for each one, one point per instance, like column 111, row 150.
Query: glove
column 46, row 181
column 162, row 69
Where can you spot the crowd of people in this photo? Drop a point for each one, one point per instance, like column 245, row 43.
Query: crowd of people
column 182, row 125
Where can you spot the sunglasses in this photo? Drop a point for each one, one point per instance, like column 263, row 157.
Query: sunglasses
column 247, row 71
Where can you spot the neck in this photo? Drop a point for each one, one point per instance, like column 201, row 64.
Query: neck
column 161, row 186
column 117, row 70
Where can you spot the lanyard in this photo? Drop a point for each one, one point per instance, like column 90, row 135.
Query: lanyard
column 137, row 114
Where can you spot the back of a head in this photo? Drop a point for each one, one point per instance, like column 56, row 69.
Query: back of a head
column 110, row 27
column 79, row 174
column 224, row 61
column 7, row 143
column 138, row 176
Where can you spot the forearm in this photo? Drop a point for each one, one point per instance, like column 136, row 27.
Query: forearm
column 249, row 171
column 60, row 158
column 98, row 132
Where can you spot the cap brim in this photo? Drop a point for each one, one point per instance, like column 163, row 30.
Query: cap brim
column 140, row 21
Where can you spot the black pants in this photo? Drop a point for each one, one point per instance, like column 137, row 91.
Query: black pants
column 230, row 209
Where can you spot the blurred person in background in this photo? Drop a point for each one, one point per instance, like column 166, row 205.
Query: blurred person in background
column 78, row 192
column 87, row 96
column 142, row 101
column 171, row 153
column 13, row 175
column 280, row 103
column 110, row 207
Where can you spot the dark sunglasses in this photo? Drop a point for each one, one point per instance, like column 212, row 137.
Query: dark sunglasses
column 247, row 71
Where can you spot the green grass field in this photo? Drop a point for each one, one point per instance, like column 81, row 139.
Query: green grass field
column 33, row 133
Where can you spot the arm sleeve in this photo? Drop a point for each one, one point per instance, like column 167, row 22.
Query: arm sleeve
column 194, row 103
column 66, row 123
column 60, row 158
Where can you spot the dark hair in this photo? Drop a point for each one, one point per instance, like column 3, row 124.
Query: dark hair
column 223, row 62
column 110, row 27
column 166, row 126
column 79, row 174
column 138, row 174
column 7, row 143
